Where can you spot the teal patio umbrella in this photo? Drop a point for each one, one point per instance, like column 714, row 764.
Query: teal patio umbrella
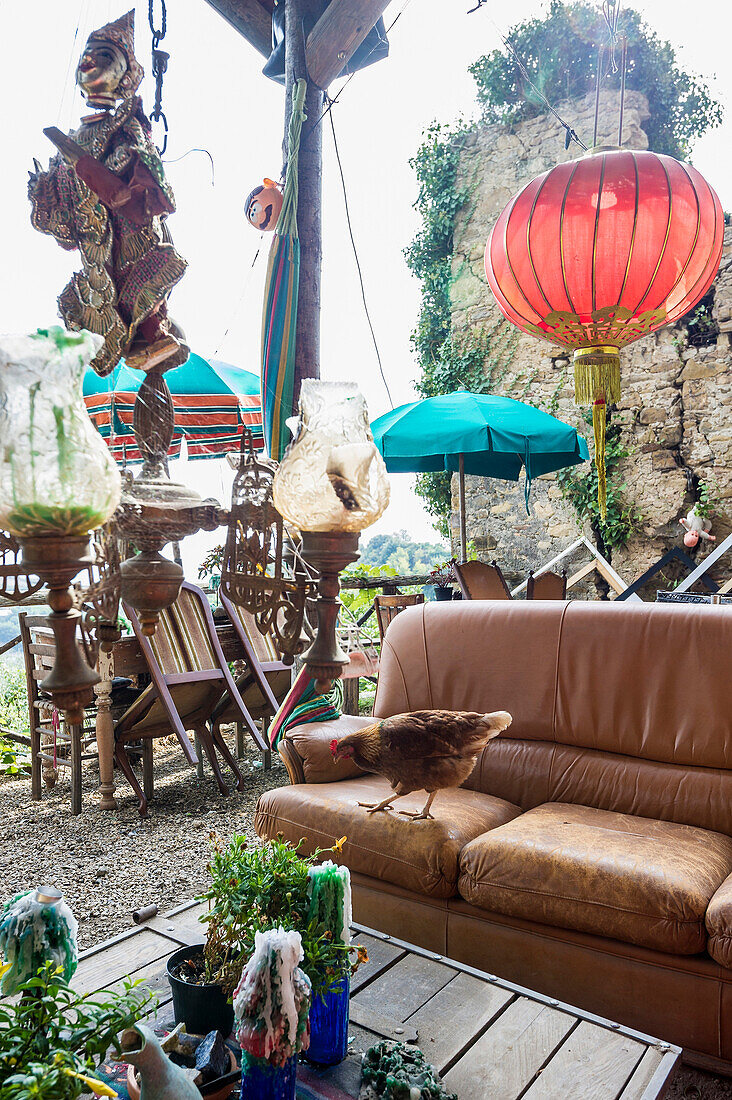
column 213, row 403
column 476, row 433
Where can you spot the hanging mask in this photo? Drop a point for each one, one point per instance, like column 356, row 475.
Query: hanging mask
column 263, row 206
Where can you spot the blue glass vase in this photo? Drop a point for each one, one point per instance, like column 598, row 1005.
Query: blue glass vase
column 329, row 1026
column 261, row 1081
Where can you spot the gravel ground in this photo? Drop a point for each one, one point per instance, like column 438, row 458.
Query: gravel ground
column 108, row 864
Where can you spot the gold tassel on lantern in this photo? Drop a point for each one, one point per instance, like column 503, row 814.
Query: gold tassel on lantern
column 597, row 383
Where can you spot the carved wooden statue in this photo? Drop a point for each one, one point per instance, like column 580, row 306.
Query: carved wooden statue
column 106, row 195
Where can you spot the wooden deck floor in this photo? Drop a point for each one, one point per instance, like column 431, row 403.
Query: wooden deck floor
column 489, row 1038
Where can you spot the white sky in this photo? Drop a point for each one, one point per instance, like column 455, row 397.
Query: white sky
column 215, row 96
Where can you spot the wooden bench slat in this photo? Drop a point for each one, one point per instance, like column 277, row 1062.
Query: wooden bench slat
column 602, row 1060
column 382, row 954
column 507, row 1056
column 449, row 1021
column 643, row 1076
column 405, row 987
column 110, row 965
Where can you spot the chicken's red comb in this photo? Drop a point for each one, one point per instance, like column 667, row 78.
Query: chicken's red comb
column 334, row 746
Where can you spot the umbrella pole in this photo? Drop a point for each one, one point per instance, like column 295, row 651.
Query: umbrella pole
column 463, row 537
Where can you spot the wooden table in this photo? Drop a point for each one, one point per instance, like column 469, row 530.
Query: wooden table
column 491, row 1039
column 126, row 659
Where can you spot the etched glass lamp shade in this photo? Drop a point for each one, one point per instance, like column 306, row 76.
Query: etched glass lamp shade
column 57, row 477
column 332, row 477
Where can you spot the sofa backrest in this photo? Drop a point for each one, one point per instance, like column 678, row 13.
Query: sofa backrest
column 625, row 707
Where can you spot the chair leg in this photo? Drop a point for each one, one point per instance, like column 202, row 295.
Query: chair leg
column 123, row 760
column 75, row 754
column 147, row 767
column 197, row 747
column 206, row 740
column 223, row 748
column 240, row 739
column 35, row 740
column 267, row 754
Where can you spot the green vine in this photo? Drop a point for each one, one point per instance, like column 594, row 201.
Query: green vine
column 578, row 486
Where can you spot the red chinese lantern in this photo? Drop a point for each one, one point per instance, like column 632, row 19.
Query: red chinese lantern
column 599, row 252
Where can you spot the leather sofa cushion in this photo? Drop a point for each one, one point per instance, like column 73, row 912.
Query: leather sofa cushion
column 719, row 925
column 419, row 855
column 628, row 878
column 312, row 743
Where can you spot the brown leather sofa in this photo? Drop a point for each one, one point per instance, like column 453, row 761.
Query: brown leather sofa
column 589, row 855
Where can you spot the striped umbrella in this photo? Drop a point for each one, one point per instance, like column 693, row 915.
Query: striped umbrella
column 213, row 403
column 279, row 317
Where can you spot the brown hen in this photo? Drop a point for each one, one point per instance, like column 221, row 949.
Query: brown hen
column 423, row 751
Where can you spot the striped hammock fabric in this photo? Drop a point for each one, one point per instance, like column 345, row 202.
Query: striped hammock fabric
column 301, row 705
column 279, row 316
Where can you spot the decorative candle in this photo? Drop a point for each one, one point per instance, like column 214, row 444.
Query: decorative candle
column 329, row 890
column 36, row 927
column 272, row 1000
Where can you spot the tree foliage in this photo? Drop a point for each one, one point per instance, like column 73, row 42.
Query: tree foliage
column 559, row 52
column 400, row 553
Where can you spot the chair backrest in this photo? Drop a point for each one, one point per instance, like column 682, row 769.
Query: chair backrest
column 547, row 586
column 263, row 646
column 479, row 581
column 182, row 638
column 38, row 657
column 388, row 607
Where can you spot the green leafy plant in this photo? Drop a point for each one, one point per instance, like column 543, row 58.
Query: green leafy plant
column 14, row 758
column 443, row 573
column 710, row 498
column 254, row 888
column 578, row 486
column 559, row 52
column 52, row 1038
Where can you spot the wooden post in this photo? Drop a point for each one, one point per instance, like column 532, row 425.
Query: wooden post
column 307, row 344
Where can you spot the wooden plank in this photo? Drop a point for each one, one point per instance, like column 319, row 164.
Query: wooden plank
column 337, row 35
column 103, row 968
column 643, row 1075
column 382, row 1023
column 600, row 1059
column 507, row 1057
column 185, row 928
column 381, row 955
column 451, row 1019
column 405, row 987
column 250, row 19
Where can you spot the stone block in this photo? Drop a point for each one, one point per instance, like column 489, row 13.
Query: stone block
column 663, row 460
column 652, row 416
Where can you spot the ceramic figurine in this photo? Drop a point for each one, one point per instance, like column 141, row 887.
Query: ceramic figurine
column 160, row 1078
column 106, row 195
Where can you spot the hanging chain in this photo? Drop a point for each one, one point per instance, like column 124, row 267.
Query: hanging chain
column 159, row 66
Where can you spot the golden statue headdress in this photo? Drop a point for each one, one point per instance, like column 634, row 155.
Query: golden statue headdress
column 121, row 33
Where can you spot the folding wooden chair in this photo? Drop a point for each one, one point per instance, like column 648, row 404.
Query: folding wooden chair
column 262, row 685
column 547, row 586
column 388, row 607
column 479, row 581
column 189, row 675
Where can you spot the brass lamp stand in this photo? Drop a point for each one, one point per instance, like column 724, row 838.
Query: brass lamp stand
column 329, row 552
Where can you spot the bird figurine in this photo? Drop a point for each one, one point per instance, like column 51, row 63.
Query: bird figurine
column 425, row 750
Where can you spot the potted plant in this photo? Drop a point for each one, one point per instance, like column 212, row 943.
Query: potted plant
column 252, row 889
column 53, row 1038
column 442, row 578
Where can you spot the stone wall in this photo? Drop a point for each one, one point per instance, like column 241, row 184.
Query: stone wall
column 676, row 403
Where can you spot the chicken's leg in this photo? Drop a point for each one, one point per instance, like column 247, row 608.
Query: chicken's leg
column 425, row 812
column 373, row 808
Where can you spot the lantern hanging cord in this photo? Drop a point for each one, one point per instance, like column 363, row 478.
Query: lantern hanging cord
column 611, row 12
column 72, row 54
column 196, row 149
column 571, row 133
column 358, row 262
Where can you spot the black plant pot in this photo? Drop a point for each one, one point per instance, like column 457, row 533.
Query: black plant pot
column 443, row 592
column 202, row 1008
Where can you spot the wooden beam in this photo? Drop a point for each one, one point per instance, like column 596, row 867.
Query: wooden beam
column 337, row 35
column 250, row 19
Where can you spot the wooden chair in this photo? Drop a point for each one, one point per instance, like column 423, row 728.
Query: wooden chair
column 479, row 581
column 262, row 685
column 53, row 743
column 388, row 607
column 189, row 675
column 547, row 586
